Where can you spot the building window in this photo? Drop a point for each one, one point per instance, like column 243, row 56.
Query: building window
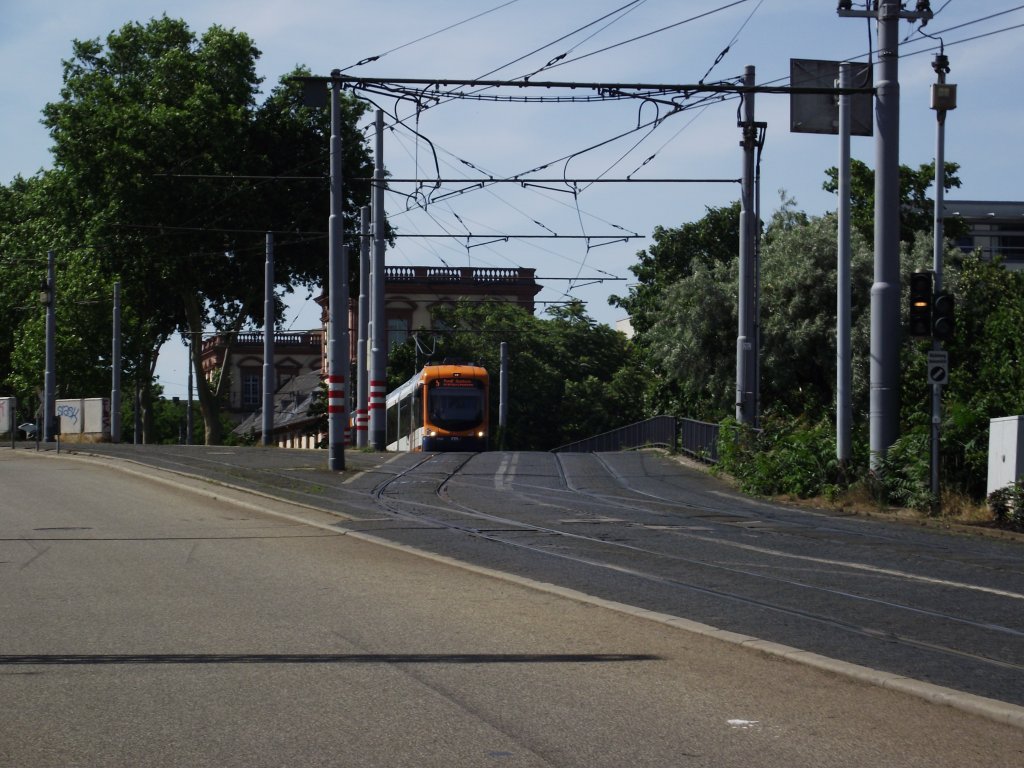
column 251, row 394
column 398, row 330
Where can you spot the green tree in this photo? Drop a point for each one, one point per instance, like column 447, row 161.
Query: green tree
column 799, row 278
column 570, row 377
column 917, row 210
column 676, row 254
column 692, row 345
column 687, row 349
column 158, row 137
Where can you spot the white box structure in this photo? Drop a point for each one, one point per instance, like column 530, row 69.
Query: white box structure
column 1005, row 451
column 85, row 420
column 8, row 406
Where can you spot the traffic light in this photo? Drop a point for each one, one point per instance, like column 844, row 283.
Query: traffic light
column 921, row 304
column 942, row 317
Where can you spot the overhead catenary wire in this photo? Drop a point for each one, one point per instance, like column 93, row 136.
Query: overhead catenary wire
column 417, row 96
column 650, row 34
column 369, row 59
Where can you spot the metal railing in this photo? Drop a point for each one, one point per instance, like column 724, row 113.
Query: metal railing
column 657, row 432
column 698, row 439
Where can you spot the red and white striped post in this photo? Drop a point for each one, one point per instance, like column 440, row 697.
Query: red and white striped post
column 376, row 415
column 337, row 310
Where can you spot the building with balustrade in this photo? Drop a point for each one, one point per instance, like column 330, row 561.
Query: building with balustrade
column 411, row 294
column 240, row 358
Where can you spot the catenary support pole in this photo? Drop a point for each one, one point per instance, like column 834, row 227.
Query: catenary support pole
column 745, row 346
column 137, row 413
column 885, row 292
column 49, row 375
column 379, row 343
column 844, row 378
column 189, row 425
column 503, row 394
column 115, row 369
column 362, row 379
column 336, row 322
column 267, row 425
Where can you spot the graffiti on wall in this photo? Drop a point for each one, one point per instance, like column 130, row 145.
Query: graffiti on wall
column 69, row 412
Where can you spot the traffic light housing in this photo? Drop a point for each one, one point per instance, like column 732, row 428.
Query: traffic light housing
column 943, row 323
column 921, row 304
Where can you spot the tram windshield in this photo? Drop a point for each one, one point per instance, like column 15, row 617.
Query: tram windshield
column 455, row 408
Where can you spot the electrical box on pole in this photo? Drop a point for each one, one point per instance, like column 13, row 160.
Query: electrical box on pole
column 920, row 319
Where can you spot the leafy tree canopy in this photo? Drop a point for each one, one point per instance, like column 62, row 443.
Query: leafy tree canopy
column 570, row 377
column 917, row 210
column 676, row 254
column 166, row 158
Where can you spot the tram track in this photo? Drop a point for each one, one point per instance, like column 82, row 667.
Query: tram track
column 498, row 528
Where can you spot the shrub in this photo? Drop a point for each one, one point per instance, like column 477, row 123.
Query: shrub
column 786, row 457
column 1007, row 505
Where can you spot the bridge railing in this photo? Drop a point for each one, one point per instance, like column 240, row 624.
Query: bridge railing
column 698, row 439
column 657, row 432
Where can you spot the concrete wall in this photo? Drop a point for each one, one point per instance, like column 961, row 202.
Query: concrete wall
column 8, row 407
column 84, row 420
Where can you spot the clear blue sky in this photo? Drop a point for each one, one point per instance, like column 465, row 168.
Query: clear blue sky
column 983, row 134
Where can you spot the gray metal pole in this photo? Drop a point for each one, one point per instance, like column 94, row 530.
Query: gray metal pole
column 379, row 342
column 503, row 394
column 941, row 66
column 115, row 370
column 137, row 437
column 335, row 320
column 362, row 388
column 268, row 343
column 745, row 406
column 885, row 292
column 49, row 375
column 844, row 376
column 189, row 425
column 755, row 375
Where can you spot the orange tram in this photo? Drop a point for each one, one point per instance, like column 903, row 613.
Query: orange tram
column 441, row 408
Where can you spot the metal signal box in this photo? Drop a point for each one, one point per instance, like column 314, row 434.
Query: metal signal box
column 1005, row 451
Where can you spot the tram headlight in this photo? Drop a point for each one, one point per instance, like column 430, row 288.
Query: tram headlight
column 480, row 433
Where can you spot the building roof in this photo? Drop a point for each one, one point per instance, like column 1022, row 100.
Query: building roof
column 291, row 406
column 984, row 209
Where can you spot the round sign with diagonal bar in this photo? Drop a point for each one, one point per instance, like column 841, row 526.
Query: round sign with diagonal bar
column 938, row 367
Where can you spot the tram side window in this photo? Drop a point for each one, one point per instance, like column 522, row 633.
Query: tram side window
column 405, row 416
column 392, row 424
column 417, row 408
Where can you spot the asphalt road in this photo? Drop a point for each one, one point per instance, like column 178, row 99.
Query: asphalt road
column 144, row 624
column 639, row 528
